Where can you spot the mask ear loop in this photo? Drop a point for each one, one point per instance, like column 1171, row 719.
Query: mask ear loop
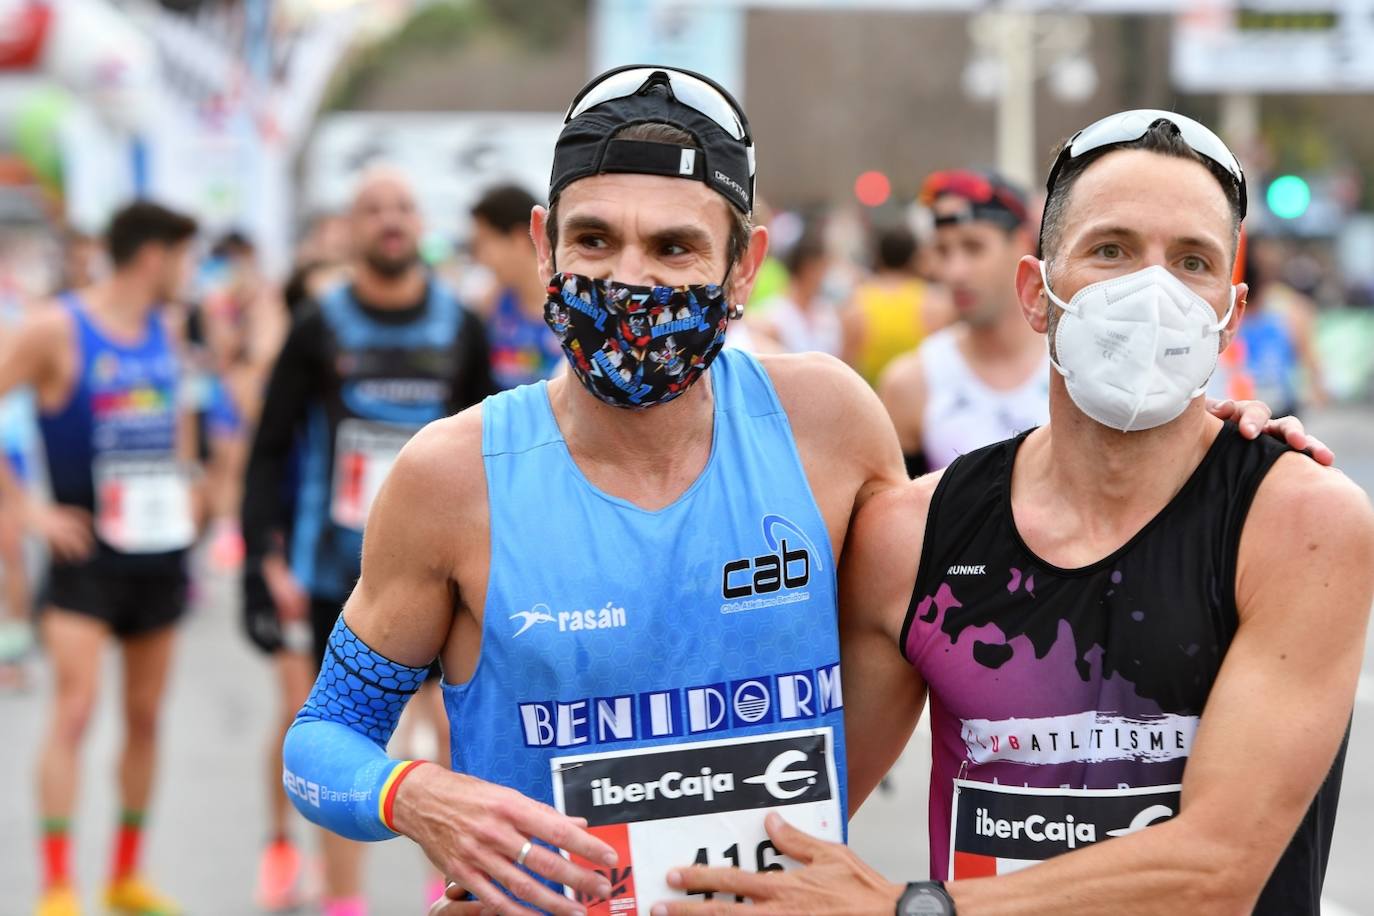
column 1049, row 293
column 1214, row 329
column 735, row 311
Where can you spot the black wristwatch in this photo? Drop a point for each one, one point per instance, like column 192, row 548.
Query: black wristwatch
column 925, row 898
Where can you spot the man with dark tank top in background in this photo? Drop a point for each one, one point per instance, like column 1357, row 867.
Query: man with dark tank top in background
column 1132, row 625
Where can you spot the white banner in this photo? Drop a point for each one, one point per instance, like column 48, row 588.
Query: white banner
column 451, row 158
column 1275, row 46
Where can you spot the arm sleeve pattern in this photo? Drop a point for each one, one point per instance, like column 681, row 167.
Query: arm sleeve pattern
column 337, row 773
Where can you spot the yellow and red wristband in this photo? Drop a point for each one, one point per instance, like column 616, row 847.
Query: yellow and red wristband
column 387, row 798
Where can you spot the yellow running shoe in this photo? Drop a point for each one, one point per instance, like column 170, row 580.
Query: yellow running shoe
column 133, row 896
column 58, row 901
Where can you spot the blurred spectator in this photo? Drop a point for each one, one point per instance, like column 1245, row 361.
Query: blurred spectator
column 523, row 349
column 1278, row 332
column 893, row 311
column 802, row 318
column 84, row 260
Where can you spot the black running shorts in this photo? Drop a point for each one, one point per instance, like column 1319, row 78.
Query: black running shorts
column 131, row 602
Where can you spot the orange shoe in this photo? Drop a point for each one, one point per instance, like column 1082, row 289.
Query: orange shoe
column 58, row 901
column 132, row 896
column 280, row 873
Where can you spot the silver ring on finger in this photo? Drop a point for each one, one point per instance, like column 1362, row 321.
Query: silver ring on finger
column 524, row 853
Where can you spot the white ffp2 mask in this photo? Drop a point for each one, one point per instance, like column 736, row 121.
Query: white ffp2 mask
column 1135, row 350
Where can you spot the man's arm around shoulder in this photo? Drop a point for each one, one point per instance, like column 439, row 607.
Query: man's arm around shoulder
column 883, row 692
column 841, row 428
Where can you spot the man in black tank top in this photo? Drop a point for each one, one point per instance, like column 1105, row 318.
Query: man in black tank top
column 1131, row 624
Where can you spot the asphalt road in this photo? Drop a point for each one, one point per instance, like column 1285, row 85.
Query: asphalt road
column 208, row 819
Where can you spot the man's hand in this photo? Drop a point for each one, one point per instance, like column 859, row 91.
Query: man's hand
column 1254, row 417
column 455, row 903
column 834, row 882
column 67, row 529
column 473, row 831
column 291, row 600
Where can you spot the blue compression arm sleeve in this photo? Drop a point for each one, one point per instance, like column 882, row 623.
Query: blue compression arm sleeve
column 336, row 769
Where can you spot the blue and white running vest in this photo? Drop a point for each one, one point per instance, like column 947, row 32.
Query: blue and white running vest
column 705, row 631
column 392, row 377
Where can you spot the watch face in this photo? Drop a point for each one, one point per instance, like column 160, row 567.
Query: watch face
column 923, row 901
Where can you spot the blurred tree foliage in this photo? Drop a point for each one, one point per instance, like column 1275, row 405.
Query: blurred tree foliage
column 441, row 27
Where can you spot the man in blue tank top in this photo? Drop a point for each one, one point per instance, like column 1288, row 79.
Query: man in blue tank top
column 361, row 370
column 1139, row 634
column 125, row 509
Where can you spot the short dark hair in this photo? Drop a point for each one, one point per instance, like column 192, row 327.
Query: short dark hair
column 807, row 250
column 233, row 244
column 894, row 248
column 741, row 225
column 1162, row 138
column 505, row 208
column 145, row 223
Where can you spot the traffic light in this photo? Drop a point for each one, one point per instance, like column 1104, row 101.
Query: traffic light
column 1288, row 196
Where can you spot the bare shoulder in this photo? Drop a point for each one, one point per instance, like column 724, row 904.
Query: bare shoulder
column 445, row 457
column 38, row 348
column 902, row 374
column 902, row 389
column 1306, row 523
column 820, row 392
column 1307, row 498
column 48, row 323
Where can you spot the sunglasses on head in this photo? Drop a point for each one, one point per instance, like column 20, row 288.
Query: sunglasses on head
column 1128, row 126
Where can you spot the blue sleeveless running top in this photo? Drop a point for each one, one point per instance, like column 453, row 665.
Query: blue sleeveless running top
column 609, row 628
column 391, row 378
column 124, row 400
column 523, row 349
column 124, row 403
column 1271, row 357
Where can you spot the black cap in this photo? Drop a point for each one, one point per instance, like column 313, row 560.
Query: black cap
column 587, row 146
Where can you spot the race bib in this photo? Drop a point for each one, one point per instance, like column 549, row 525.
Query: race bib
column 704, row 803
column 363, row 454
column 143, row 504
column 996, row 830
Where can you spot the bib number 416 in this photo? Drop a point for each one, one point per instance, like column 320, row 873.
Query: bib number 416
column 765, row 859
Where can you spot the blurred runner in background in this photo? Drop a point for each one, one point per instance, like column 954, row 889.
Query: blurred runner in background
column 893, row 311
column 986, row 378
column 284, row 881
column 361, row 370
column 1279, row 333
column 120, row 452
column 22, row 277
column 801, row 319
column 523, row 349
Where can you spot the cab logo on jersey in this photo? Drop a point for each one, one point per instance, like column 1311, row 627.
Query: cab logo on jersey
column 779, row 576
column 609, row 617
column 796, row 696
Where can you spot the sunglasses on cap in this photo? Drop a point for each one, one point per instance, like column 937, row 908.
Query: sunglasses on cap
column 976, row 188
column 694, row 91
column 1128, row 126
